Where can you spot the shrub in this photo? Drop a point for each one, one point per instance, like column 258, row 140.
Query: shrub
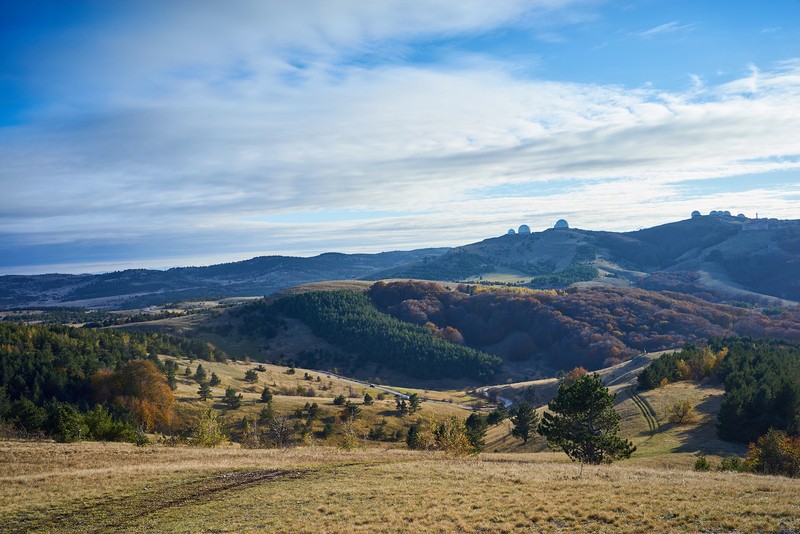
column 682, row 413
column 702, row 464
column 208, row 431
column 451, row 436
column 775, row 453
column 733, row 463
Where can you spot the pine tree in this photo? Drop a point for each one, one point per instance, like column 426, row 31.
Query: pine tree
column 583, row 423
column 524, row 422
column 232, row 399
column 205, row 391
column 477, row 425
column 215, row 381
column 251, row 375
column 266, row 395
column 200, row 374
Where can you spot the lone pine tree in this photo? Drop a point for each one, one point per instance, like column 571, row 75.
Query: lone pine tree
column 583, row 423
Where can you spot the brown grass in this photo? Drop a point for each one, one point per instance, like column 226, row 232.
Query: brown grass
column 100, row 487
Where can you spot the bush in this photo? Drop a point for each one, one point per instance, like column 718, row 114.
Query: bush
column 682, row 413
column 208, row 431
column 702, row 464
column 733, row 463
column 451, row 436
column 775, row 453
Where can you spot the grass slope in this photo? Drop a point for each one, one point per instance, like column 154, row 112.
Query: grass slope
column 90, row 487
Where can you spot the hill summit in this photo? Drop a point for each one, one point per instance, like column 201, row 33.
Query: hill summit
column 717, row 257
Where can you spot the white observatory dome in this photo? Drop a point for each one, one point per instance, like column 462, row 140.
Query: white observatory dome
column 561, row 224
column 524, row 229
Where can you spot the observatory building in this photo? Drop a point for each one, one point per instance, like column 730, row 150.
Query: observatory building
column 511, row 231
column 524, row 229
column 561, row 224
column 696, row 214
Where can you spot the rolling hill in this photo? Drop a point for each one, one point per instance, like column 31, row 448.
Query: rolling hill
column 719, row 258
column 142, row 287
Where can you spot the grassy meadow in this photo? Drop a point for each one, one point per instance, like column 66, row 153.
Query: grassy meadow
column 382, row 486
column 99, row 487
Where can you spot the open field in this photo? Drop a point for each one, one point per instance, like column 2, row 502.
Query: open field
column 292, row 391
column 91, row 487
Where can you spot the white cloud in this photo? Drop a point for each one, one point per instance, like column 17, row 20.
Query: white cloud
column 663, row 29
column 183, row 154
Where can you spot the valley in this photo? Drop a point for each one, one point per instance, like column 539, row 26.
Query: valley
column 345, row 404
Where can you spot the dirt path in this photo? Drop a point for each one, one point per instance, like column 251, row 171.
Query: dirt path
column 115, row 514
column 645, row 409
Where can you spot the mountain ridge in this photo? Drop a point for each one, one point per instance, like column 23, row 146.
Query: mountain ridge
column 717, row 257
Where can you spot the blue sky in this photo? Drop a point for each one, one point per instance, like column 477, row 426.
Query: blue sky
column 164, row 133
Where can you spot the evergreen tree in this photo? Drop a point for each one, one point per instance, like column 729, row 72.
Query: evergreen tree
column 200, row 374
column 583, row 423
column 497, row 416
column 66, row 423
column 414, row 438
column 215, row 381
column 414, row 403
column 477, row 425
column 251, row 375
column 170, row 367
column 266, row 415
column 205, row 391
column 524, row 422
column 368, row 400
column 232, row 399
column 266, row 395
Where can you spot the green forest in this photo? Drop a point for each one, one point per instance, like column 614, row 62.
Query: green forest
column 52, row 373
column 761, row 379
column 349, row 320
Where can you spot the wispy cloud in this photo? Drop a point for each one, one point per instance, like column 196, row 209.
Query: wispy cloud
column 212, row 138
column 664, row 29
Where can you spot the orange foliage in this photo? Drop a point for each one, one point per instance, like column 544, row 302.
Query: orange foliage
column 140, row 387
column 574, row 375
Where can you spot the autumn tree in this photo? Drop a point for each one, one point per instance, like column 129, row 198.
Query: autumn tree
column 582, row 422
column 451, row 436
column 139, row 386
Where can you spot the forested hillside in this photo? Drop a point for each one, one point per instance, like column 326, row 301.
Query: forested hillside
column 49, row 372
column 589, row 327
column 348, row 319
column 761, row 378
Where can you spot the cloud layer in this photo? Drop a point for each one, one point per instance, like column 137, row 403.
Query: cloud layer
column 186, row 133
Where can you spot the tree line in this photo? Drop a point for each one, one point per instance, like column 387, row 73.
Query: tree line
column 349, row 320
column 51, row 373
column 761, row 379
column 581, row 327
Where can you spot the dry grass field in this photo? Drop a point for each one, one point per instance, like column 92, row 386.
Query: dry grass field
column 382, row 487
column 97, row 487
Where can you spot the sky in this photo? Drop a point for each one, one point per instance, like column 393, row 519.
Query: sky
column 162, row 133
